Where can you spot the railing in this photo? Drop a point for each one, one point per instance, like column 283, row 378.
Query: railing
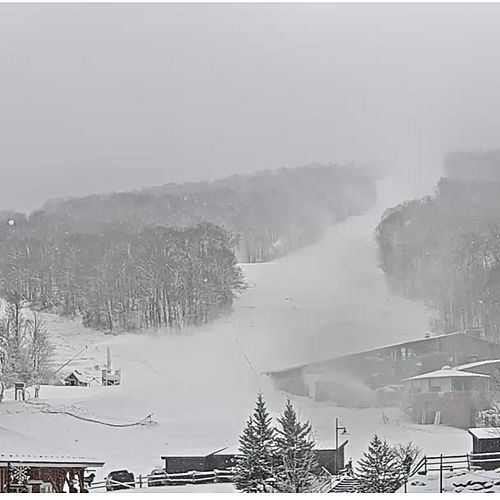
column 453, row 462
column 436, row 463
column 179, row 479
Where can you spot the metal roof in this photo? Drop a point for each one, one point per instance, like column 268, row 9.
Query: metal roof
column 485, row 432
column 477, row 363
column 373, row 350
column 447, row 373
column 17, row 448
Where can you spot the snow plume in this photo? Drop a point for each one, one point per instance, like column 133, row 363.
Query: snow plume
column 340, row 388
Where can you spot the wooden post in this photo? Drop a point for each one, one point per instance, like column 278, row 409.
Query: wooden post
column 8, row 477
column 468, row 462
column 425, row 464
column 140, row 480
column 441, row 473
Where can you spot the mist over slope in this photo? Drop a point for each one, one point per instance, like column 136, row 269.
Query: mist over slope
column 273, row 212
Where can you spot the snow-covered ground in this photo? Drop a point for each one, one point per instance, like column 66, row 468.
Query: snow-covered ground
column 323, row 301
column 458, row 481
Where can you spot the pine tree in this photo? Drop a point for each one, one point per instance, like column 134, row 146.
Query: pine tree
column 379, row 469
column 406, row 455
column 254, row 471
column 296, row 458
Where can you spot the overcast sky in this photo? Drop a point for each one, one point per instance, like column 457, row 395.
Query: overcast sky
column 97, row 97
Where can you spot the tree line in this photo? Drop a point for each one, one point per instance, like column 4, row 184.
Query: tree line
column 271, row 212
column 282, row 458
column 24, row 346
column 123, row 279
column 444, row 250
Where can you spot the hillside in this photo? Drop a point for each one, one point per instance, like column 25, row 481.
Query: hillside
column 444, row 249
column 272, row 212
column 326, row 299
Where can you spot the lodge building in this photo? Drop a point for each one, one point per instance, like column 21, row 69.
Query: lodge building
column 31, row 466
column 379, row 376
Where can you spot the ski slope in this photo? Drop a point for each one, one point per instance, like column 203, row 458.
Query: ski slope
column 325, row 300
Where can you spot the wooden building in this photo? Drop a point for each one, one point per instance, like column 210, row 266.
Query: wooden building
column 78, row 379
column 448, row 396
column 31, row 466
column 355, row 378
column 330, row 459
column 486, row 440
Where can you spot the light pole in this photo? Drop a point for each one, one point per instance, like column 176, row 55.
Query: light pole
column 337, row 429
column 344, row 431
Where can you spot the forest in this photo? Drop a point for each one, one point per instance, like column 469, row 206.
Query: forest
column 444, row 249
column 123, row 280
column 167, row 256
column 272, row 212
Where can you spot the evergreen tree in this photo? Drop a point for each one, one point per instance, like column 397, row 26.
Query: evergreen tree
column 379, row 470
column 296, row 458
column 254, row 471
column 406, row 455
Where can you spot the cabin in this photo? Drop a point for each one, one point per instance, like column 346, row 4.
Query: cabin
column 362, row 378
column 486, row 440
column 28, row 465
column 79, row 379
column 447, row 396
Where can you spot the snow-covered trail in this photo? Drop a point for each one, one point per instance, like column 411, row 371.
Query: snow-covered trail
column 324, row 300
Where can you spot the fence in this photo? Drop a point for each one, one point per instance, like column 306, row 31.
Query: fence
column 452, row 462
column 179, row 479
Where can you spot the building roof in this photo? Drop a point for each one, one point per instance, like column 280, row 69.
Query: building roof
column 85, row 377
column 447, row 372
column 368, row 351
column 477, row 364
column 485, row 432
column 16, row 448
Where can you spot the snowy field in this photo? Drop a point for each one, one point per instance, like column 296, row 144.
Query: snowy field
column 323, row 301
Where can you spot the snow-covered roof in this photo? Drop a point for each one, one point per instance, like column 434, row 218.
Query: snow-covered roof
column 447, row 372
column 478, row 363
column 485, row 432
column 83, row 376
column 18, row 448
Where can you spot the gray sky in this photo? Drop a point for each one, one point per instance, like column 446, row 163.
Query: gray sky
column 97, row 97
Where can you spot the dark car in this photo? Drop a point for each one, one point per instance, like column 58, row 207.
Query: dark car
column 158, row 477
column 120, row 480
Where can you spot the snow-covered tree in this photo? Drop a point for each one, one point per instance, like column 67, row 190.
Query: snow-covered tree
column 296, row 458
column 24, row 345
column 406, row 455
column 379, row 470
column 255, row 467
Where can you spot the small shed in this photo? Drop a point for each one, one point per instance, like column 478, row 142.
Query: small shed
column 77, row 379
column 203, row 463
column 486, row 440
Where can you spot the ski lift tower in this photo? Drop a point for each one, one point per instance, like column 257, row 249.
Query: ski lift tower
column 110, row 376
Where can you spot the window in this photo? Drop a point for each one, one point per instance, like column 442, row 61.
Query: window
column 457, row 384
column 434, row 388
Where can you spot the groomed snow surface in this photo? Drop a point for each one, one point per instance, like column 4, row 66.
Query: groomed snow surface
column 200, row 386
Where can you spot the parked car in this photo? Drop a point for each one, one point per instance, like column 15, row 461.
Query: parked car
column 157, row 477
column 120, row 480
